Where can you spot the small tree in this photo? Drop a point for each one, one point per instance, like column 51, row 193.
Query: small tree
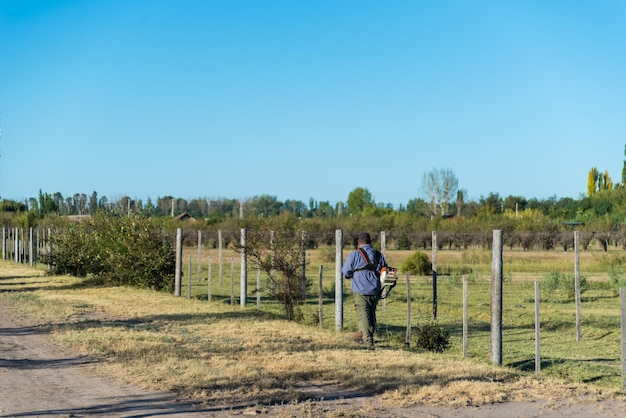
column 276, row 246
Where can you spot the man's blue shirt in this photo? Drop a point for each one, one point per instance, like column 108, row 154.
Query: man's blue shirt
column 365, row 282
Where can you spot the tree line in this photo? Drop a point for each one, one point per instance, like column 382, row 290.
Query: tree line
column 599, row 218
column 358, row 203
column 444, row 207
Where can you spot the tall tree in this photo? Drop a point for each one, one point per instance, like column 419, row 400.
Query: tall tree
column 592, row 181
column 358, row 200
column 264, row 205
column 440, row 187
column 47, row 204
column 607, row 182
column 93, row 203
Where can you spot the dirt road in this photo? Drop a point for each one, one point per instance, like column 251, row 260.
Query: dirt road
column 38, row 378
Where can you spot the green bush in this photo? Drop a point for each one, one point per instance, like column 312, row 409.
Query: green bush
column 571, row 285
column 131, row 251
column 617, row 279
column 417, row 263
column 555, row 280
column 432, row 337
column 75, row 252
column 551, row 282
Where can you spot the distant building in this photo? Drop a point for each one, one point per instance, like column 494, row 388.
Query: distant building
column 183, row 217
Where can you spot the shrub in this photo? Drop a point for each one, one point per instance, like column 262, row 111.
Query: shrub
column 74, row 252
column 119, row 250
column 570, row 283
column 433, row 338
column 556, row 280
column 551, row 282
column 617, row 280
column 417, row 263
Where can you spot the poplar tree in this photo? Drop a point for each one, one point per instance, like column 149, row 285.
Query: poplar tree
column 607, row 182
column 592, row 181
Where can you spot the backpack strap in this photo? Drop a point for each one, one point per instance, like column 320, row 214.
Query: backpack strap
column 370, row 265
column 364, row 254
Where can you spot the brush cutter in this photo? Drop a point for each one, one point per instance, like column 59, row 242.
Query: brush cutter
column 388, row 280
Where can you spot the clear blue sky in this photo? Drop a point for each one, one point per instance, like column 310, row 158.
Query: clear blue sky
column 309, row 99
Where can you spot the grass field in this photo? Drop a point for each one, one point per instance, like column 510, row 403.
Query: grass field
column 224, row 353
column 596, row 358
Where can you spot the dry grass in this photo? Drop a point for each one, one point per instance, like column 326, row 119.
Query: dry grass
column 227, row 355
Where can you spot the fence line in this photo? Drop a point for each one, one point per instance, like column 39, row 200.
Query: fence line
column 26, row 246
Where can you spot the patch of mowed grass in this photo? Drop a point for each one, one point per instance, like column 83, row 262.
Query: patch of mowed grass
column 225, row 354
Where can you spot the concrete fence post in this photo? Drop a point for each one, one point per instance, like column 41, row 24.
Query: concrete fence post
column 496, row 298
column 338, row 280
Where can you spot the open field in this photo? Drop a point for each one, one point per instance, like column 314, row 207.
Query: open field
column 227, row 355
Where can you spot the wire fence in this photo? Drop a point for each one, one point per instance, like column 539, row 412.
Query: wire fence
column 539, row 328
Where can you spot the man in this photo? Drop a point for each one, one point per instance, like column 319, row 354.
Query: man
column 363, row 266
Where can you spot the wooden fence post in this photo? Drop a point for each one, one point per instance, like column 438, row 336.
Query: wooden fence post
column 219, row 255
column 321, row 297
column 49, row 245
column 38, row 240
column 434, row 245
column 537, row 330
column 22, row 246
column 465, row 317
column 496, row 298
column 179, row 262
column 338, row 280
column 579, row 333
column 303, row 265
column 31, row 249
column 622, row 293
column 407, row 342
column 16, row 239
column 208, row 282
column 199, row 255
column 244, row 271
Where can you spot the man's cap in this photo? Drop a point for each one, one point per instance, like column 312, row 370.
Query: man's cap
column 364, row 237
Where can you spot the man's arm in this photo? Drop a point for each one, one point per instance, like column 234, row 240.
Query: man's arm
column 347, row 269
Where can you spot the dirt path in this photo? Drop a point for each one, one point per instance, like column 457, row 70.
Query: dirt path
column 41, row 379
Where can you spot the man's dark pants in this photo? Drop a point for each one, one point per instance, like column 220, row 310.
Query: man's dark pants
column 366, row 316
